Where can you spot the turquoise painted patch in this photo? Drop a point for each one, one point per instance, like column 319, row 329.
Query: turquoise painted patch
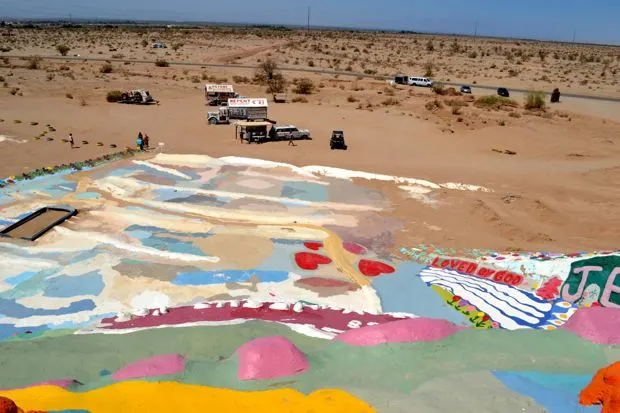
column 172, row 245
column 306, row 191
column 88, row 195
column 64, row 286
column 224, row 276
column 557, row 393
column 18, row 279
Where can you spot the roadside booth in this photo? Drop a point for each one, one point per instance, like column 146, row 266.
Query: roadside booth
column 252, row 131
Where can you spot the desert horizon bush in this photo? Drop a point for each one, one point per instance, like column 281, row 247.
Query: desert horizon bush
column 106, row 68
column 63, row 49
column 495, row 102
column 535, row 99
column 161, row 63
column 267, row 73
column 429, row 68
column 304, row 86
column 114, row 96
column 34, row 62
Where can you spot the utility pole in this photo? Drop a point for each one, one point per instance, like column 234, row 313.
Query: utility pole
column 574, row 34
column 476, row 30
column 308, row 19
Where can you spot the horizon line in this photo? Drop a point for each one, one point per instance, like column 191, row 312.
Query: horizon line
column 181, row 23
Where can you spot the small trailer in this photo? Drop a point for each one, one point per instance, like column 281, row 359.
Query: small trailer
column 218, row 95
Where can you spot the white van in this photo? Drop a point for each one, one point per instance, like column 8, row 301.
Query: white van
column 420, row 81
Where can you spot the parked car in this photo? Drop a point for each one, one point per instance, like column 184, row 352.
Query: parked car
column 502, row 91
column 337, row 140
column 420, row 81
column 465, row 89
column 287, row 132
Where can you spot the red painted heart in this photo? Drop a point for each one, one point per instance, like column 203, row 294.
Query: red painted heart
column 372, row 268
column 315, row 246
column 310, row 260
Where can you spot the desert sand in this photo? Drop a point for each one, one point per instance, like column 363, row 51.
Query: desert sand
column 556, row 192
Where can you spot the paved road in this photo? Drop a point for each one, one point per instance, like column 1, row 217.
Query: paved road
column 307, row 70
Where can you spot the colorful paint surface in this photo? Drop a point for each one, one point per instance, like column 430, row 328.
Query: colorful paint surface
column 237, row 284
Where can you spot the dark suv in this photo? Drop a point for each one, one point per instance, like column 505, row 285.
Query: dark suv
column 502, row 91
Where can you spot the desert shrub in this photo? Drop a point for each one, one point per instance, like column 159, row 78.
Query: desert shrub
column 456, row 110
column 106, row 68
column 513, row 73
column 495, row 102
column 535, row 100
column 68, row 95
column 14, row 91
column 241, row 79
column 161, row 63
column 114, row 96
column 304, row 87
column 176, row 46
column 2, row 79
column 390, row 102
column 63, row 49
column 455, row 102
column 514, row 114
column 438, row 89
column 5, row 49
column 433, row 104
column 311, row 63
column 429, row 68
column 195, row 79
column 49, row 77
column 430, row 47
column 34, row 62
column 144, row 43
column 268, row 74
column 351, row 99
column 300, row 99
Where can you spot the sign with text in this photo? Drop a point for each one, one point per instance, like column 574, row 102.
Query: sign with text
column 599, row 274
column 472, row 268
column 247, row 102
column 212, row 88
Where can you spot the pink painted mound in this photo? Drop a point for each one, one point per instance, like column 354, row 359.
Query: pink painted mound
column 600, row 325
column 152, row 366
column 408, row 330
column 64, row 383
column 270, row 358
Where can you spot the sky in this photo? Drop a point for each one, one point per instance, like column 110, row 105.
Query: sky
column 594, row 21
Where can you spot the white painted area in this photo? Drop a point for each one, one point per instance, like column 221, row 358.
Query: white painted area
column 251, row 162
column 279, row 306
column 201, row 306
column 311, row 331
column 150, row 300
column 192, row 161
column 501, row 302
column 163, row 169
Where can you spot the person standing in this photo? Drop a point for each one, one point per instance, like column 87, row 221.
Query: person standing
column 71, row 141
column 139, row 143
column 146, row 141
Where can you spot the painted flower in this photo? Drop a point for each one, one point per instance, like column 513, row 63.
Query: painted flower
column 486, row 318
column 495, row 324
column 456, row 298
column 470, row 308
column 596, row 304
column 464, row 303
column 481, row 314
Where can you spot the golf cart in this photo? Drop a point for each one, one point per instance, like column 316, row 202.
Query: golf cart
column 140, row 96
column 337, row 140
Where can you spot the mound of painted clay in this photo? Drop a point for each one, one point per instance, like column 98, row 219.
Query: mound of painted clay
column 152, row 366
column 600, row 325
column 401, row 331
column 7, row 405
column 270, row 358
column 603, row 389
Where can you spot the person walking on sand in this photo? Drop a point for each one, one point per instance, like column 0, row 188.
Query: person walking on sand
column 146, row 141
column 71, row 141
column 139, row 143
